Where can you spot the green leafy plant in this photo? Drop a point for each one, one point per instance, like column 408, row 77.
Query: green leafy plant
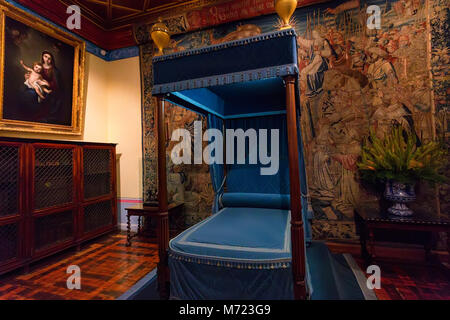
column 397, row 157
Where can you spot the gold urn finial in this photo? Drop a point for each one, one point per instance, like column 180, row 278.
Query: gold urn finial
column 160, row 35
column 285, row 9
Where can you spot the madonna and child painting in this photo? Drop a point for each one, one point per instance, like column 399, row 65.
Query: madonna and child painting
column 41, row 71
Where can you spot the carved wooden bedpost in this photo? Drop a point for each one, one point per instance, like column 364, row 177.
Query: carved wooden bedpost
column 297, row 233
column 163, row 221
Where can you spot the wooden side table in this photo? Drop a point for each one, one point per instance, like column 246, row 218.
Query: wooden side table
column 150, row 212
column 369, row 219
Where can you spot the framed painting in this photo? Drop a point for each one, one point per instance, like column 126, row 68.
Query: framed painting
column 41, row 75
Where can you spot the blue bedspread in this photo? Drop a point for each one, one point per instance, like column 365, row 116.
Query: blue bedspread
column 258, row 237
column 238, row 253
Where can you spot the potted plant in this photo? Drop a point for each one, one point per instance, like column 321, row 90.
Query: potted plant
column 399, row 162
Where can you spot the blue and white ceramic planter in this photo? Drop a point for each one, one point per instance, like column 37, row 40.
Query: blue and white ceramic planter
column 399, row 194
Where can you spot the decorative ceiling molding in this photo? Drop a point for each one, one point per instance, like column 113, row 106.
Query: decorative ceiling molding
column 116, row 14
column 115, row 37
column 109, row 23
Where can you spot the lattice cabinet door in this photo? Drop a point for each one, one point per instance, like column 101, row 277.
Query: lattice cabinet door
column 53, row 176
column 52, row 230
column 10, row 243
column 99, row 208
column 97, row 174
column 11, row 203
column 53, row 197
column 98, row 216
column 10, row 179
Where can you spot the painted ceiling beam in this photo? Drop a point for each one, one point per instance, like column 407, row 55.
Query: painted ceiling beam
column 116, row 33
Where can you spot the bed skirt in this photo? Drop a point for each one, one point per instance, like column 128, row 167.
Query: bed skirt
column 238, row 253
column 194, row 281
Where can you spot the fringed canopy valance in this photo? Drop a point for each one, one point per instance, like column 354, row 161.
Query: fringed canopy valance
column 261, row 57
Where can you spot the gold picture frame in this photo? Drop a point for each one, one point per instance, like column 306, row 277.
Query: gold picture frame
column 52, row 104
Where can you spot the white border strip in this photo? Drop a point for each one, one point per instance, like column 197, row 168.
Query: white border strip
column 360, row 277
column 138, row 286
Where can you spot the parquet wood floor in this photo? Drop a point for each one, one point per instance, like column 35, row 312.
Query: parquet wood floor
column 108, row 269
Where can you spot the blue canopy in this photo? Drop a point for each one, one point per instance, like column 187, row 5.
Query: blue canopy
column 232, row 81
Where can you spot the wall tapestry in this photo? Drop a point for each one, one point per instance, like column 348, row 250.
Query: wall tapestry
column 352, row 79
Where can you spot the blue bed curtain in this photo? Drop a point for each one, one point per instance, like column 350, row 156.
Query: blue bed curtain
column 216, row 170
column 246, row 178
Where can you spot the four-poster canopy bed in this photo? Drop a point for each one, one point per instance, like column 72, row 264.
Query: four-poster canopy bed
column 253, row 246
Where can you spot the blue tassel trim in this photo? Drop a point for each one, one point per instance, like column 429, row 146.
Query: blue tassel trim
column 217, row 262
column 236, row 77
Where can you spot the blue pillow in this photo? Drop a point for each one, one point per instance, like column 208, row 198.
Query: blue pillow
column 256, row 200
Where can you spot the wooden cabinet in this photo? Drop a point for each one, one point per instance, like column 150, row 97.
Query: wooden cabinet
column 12, row 200
column 53, row 195
column 98, row 196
